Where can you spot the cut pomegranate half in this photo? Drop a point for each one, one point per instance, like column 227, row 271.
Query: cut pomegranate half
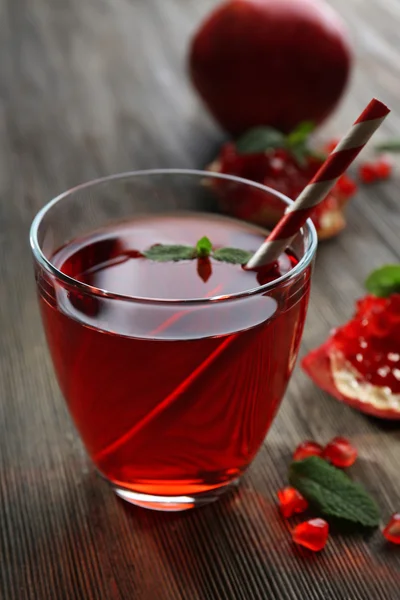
column 279, row 169
column 359, row 364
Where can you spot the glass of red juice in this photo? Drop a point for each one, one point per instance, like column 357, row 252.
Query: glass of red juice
column 172, row 371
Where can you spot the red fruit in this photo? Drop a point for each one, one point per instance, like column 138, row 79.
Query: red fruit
column 270, row 62
column 311, row 534
column 340, row 452
column 372, row 171
column 306, row 449
column 359, row 364
column 291, row 502
column 328, row 216
column 367, row 173
column 279, row 170
column 392, row 529
column 383, row 168
column 346, row 186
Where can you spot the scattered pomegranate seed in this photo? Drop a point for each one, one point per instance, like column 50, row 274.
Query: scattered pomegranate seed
column 372, row 171
column 383, row 167
column 311, row 534
column 367, row 173
column 340, row 452
column 346, row 186
column 291, row 502
column 392, row 529
column 306, row 449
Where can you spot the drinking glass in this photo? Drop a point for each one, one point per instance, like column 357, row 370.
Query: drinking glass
column 172, row 397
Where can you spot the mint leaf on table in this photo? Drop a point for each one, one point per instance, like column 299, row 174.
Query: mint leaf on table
column 332, row 492
column 389, row 146
column 384, row 281
column 260, row 139
column 173, row 252
column 235, row 256
column 203, row 247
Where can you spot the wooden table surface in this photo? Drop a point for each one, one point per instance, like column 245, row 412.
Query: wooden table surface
column 96, row 87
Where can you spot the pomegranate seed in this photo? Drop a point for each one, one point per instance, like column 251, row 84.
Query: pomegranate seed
column 311, row 534
column 340, row 452
column 383, row 167
column 204, row 268
column 277, row 165
column 306, row 449
column 291, row 502
column 227, row 156
column 281, row 153
column 88, row 305
column 346, row 186
column 367, row 173
column 392, row 529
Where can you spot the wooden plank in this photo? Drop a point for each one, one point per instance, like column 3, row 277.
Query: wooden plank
column 88, row 89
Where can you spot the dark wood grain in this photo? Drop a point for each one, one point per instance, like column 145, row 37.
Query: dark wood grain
column 96, row 87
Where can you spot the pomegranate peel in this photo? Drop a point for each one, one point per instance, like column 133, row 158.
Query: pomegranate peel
column 285, row 163
column 359, row 364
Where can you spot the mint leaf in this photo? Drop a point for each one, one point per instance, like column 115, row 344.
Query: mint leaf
column 317, row 154
column 384, row 281
column 260, row 139
column 297, row 142
column 300, row 154
column 165, row 252
column 300, row 134
column 203, row 247
column 332, row 492
column 388, row 146
column 236, row 256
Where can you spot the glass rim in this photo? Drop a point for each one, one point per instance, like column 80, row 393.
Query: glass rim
column 88, row 289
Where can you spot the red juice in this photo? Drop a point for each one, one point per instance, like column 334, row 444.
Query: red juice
column 171, row 398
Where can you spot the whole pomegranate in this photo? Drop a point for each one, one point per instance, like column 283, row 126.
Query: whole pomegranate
column 270, row 62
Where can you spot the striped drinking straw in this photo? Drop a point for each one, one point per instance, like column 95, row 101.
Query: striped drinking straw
column 320, row 185
column 276, row 242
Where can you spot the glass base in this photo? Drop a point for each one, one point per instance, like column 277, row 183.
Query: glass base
column 173, row 503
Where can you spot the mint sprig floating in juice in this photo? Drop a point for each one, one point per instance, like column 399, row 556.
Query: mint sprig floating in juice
column 203, row 249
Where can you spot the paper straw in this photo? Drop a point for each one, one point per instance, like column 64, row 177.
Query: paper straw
column 320, row 185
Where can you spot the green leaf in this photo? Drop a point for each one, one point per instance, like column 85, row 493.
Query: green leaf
column 300, row 134
column 203, row 247
column 389, row 146
column 260, row 139
column 165, row 253
column 236, row 256
column 317, row 154
column 333, row 493
column 384, row 281
column 300, row 154
column 297, row 142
